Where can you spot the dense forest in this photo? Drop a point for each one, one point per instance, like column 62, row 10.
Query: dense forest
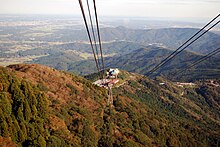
column 41, row 106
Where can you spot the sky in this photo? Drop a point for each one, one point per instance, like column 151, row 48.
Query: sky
column 128, row 8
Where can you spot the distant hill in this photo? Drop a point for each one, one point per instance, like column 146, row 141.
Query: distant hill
column 63, row 56
column 169, row 37
column 144, row 59
column 111, row 47
column 40, row 106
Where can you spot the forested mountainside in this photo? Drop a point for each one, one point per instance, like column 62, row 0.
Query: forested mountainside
column 40, row 106
column 143, row 60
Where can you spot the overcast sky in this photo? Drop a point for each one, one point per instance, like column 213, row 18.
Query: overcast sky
column 141, row 8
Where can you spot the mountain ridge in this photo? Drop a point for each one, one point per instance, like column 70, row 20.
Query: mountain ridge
column 170, row 37
column 144, row 59
column 70, row 110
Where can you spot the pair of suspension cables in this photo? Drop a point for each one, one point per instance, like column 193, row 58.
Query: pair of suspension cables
column 203, row 58
column 97, row 53
column 186, row 44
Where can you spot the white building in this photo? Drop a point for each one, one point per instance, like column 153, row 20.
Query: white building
column 113, row 73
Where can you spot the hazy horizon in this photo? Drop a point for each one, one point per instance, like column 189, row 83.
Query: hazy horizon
column 198, row 9
column 110, row 18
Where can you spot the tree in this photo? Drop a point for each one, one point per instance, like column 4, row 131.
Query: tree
column 27, row 111
column 41, row 141
column 89, row 137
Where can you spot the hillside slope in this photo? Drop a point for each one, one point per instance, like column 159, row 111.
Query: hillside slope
column 41, row 106
column 143, row 60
